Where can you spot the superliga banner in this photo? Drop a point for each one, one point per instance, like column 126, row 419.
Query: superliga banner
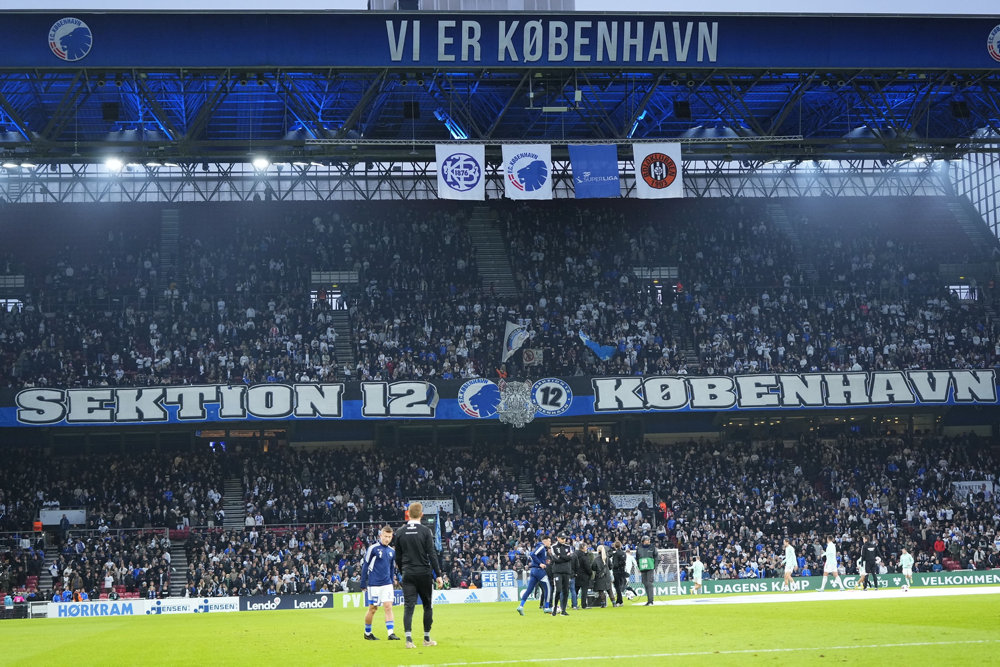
column 658, row 172
column 527, row 171
column 461, row 171
column 478, row 398
column 595, row 171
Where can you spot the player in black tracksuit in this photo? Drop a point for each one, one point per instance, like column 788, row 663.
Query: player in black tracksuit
column 562, row 570
column 870, row 557
column 417, row 559
column 616, row 560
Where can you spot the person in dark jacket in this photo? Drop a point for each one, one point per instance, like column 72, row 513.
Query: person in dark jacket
column 418, row 561
column 562, row 571
column 871, row 557
column 601, row 576
column 645, row 555
column 584, row 561
column 617, row 563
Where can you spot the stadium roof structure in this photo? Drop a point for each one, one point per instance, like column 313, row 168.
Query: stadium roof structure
column 388, row 86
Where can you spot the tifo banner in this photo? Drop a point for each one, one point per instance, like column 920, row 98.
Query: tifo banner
column 513, row 338
column 658, row 172
column 478, row 398
column 76, row 517
column 506, row 578
column 527, row 171
column 964, row 489
column 272, row 602
column 461, row 171
column 629, row 501
column 595, row 171
column 441, row 505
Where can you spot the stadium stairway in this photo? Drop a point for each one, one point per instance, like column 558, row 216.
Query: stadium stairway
column 232, row 503
column 178, row 568
column 343, row 347
column 491, row 252
column 971, row 223
column 169, row 245
column 45, row 581
column 526, row 488
column 779, row 218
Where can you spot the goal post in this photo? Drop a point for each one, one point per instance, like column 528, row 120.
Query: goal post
column 668, row 570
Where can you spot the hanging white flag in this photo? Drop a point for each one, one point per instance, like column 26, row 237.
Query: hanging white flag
column 461, row 171
column 527, row 171
column 658, row 171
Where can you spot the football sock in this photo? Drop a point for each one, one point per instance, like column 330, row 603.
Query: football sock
column 389, row 625
column 427, row 636
column 368, row 629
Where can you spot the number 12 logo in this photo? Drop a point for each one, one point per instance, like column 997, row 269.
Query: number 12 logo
column 552, row 396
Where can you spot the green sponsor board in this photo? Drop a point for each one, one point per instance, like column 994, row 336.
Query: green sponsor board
column 891, row 580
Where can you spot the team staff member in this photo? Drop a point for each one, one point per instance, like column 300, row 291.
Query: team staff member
column 418, row 561
column 870, row 556
column 376, row 577
column 646, row 557
column 584, row 562
column 562, row 572
column 617, row 561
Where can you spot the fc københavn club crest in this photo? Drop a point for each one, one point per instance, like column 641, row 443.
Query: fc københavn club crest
column 479, row 398
column 527, row 171
column 993, row 43
column 70, row 39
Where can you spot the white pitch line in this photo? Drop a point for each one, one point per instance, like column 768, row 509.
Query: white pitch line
column 684, row 654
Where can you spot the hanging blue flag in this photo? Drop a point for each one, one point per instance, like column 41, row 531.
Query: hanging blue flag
column 603, row 352
column 595, row 171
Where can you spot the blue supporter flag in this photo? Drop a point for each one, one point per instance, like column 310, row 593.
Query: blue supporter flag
column 595, row 171
column 603, row 352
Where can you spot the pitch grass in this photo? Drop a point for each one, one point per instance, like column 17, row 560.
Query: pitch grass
column 953, row 630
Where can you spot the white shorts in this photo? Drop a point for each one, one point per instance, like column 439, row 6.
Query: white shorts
column 830, row 570
column 862, row 571
column 697, row 580
column 381, row 594
column 907, row 571
column 789, row 569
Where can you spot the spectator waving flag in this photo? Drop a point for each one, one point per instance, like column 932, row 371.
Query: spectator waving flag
column 603, row 352
column 513, row 339
column 658, row 171
column 527, row 170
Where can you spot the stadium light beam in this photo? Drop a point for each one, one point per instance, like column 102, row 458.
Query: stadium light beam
column 114, row 164
column 261, row 163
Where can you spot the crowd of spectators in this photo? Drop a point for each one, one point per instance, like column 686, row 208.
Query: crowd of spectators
column 156, row 490
column 311, row 514
column 234, row 302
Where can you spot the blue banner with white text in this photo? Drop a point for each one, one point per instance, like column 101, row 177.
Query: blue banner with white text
column 595, row 171
column 482, row 398
column 475, row 40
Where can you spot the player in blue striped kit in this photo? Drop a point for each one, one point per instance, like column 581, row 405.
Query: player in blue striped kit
column 538, row 574
column 376, row 576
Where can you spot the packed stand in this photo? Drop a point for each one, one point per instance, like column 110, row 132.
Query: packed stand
column 237, row 306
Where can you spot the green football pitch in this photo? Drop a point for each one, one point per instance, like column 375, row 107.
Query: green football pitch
column 856, row 628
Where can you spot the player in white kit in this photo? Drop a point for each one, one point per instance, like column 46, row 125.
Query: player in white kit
column 830, row 565
column 697, row 570
column 789, row 564
column 906, row 565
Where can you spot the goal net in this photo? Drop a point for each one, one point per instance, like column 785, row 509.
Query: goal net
column 670, row 563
